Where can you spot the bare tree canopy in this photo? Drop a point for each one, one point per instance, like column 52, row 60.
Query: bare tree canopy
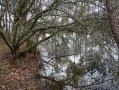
column 80, row 39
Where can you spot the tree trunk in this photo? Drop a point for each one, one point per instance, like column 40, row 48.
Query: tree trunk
column 112, row 16
column 15, row 54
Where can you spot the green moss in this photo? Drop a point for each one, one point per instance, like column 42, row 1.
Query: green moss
column 3, row 69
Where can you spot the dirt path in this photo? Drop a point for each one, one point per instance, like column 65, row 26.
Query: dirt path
column 21, row 76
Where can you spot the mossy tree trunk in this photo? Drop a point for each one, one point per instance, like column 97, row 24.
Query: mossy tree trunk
column 15, row 54
column 21, row 29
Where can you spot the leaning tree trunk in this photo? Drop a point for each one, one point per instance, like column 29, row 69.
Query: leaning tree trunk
column 112, row 17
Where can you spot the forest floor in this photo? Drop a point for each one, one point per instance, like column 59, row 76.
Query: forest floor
column 21, row 76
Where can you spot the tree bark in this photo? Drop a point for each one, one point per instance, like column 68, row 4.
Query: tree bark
column 112, row 17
